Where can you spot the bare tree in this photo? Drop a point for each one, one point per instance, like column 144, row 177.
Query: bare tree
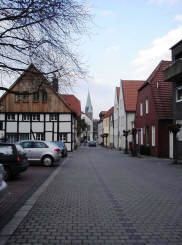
column 44, row 33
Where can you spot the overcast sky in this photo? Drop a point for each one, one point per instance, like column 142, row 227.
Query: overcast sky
column 127, row 40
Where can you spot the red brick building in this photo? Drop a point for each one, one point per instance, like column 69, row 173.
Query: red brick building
column 154, row 113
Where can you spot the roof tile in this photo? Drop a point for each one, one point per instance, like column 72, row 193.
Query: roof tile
column 130, row 92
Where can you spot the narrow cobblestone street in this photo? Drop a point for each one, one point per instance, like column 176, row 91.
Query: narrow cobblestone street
column 103, row 197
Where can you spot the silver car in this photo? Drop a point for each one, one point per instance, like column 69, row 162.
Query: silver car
column 41, row 151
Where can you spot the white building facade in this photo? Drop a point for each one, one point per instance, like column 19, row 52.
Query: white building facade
column 116, row 118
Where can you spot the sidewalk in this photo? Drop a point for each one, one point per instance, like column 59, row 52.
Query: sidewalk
column 10, row 228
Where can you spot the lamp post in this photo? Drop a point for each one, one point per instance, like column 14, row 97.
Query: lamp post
column 134, row 150
column 125, row 134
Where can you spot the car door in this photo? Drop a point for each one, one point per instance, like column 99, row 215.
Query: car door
column 38, row 149
column 27, row 146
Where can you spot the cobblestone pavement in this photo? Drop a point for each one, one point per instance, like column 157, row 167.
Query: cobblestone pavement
column 104, row 197
column 20, row 189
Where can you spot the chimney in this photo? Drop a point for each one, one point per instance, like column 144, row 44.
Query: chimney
column 55, row 83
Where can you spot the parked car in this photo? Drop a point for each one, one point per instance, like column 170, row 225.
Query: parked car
column 92, row 143
column 3, row 185
column 43, row 152
column 63, row 148
column 13, row 158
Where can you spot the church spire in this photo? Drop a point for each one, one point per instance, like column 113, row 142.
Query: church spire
column 88, row 107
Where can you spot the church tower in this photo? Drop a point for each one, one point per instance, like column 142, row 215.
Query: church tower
column 88, row 107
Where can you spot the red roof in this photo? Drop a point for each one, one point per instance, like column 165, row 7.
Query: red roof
column 162, row 93
column 73, row 102
column 130, row 93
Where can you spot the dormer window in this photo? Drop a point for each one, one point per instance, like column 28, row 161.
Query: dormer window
column 44, row 96
column 36, row 97
column 17, row 97
column 178, row 94
column 25, row 96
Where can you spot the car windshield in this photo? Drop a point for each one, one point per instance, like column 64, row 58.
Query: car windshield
column 58, row 143
column 20, row 149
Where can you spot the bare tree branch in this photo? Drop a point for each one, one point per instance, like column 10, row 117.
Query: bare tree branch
column 42, row 32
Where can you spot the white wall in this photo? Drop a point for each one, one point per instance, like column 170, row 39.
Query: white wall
column 116, row 123
column 100, row 132
column 89, row 122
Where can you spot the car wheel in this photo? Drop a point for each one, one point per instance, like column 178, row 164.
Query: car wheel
column 47, row 161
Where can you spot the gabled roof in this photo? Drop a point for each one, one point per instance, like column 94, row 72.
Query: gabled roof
column 109, row 112
column 33, row 70
column 73, row 102
column 130, row 93
column 161, row 90
column 163, row 94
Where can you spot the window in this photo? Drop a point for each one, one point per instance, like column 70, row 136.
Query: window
column 137, row 138
column 11, row 137
column 26, row 144
column 39, row 136
column 153, row 135
column 146, row 106
column 35, row 117
column 39, row 145
column 17, row 97
column 141, row 136
column 1, row 125
column 36, row 97
column 25, row 117
column 24, row 136
column 147, row 135
column 25, row 96
column 6, row 150
column 44, row 96
column 141, row 109
column 63, row 137
column 179, row 94
column 53, row 117
column 11, row 117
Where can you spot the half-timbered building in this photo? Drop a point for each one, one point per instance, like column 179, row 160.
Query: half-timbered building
column 39, row 112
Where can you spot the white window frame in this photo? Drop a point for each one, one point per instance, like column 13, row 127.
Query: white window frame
column 137, row 138
column 53, row 117
column 35, row 117
column 24, row 136
column 153, row 136
column 63, row 137
column 141, row 109
column 25, row 117
column 141, row 136
column 177, row 89
column 146, row 106
column 39, row 136
column 11, row 117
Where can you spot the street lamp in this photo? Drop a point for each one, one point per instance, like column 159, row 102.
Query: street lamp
column 125, row 134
